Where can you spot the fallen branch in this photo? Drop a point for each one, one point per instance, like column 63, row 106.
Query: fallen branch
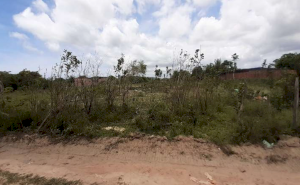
column 44, row 121
column 5, row 114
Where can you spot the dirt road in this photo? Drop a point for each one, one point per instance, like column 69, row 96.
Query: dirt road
column 152, row 160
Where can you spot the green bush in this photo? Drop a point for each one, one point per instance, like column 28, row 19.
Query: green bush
column 157, row 119
column 14, row 119
column 8, row 89
column 209, row 109
column 258, row 122
column 69, row 122
column 282, row 95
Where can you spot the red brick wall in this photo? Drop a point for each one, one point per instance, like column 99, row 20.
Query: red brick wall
column 256, row 74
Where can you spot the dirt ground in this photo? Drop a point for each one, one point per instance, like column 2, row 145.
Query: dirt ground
column 152, row 160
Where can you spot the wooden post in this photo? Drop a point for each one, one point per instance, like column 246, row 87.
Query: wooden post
column 296, row 103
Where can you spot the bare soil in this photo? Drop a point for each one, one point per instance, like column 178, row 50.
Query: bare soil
column 152, row 160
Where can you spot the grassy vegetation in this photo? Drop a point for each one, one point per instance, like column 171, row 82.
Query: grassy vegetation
column 203, row 106
column 207, row 109
column 7, row 178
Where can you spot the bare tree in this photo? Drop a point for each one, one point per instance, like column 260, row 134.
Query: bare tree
column 88, row 92
column 264, row 64
column 234, row 57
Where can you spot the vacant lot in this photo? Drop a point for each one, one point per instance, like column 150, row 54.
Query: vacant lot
column 225, row 112
column 129, row 129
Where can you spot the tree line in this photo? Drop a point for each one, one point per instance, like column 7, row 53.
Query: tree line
column 136, row 70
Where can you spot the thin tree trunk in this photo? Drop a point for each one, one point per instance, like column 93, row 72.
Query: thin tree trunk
column 296, row 103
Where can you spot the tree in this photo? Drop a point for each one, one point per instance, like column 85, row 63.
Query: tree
column 218, row 67
column 119, row 67
column 70, row 62
column 168, row 72
column 27, row 78
column 9, row 80
column 142, row 68
column 136, row 68
column 133, row 68
column 197, row 72
column 264, row 64
column 1, row 88
column 181, row 75
column 234, row 57
column 158, row 72
column 198, row 57
column 289, row 61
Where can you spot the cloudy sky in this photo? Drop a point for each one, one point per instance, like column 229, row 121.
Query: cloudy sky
column 34, row 33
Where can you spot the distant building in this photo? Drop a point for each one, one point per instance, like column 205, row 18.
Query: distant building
column 256, row 73
column 84, row 81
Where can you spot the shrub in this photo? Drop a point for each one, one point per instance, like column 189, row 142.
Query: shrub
column 277, row 99
column 157, row 119
column 15, row 119
column 282, row 95
column 69, row 122
column 258, row 122
column 8, row 89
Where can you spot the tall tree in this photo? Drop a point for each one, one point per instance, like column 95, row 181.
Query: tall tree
column 157, row 72
column 289, row 61
column 27, row 78
column 137, row 68
column 119, row 67
column 142, row 68
column 234, row 57
column 264, row 64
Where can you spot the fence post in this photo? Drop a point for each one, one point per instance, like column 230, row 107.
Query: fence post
column 296, row 103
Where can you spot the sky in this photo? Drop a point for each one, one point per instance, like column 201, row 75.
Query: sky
column 34, row 33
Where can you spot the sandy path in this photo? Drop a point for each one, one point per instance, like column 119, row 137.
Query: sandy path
column 150, row 160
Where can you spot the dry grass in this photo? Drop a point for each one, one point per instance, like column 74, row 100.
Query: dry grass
column 7, row 178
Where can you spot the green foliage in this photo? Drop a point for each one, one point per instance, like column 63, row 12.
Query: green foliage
column 69, row 122
column 119, row 67
column 14, row 178
column 69, row 62
column 197, row 72
column 180, row 75
column 219, row 67
column 224, row 112
column 9, row 80
column 259, row 121
column 14, row 119
column 156, row 120
column 282, row 95
column 137, row 79
column 28, row 78
column 157, row 72
column 137, row 68
column 8, row 89
column 289, row 61
column 23, row 79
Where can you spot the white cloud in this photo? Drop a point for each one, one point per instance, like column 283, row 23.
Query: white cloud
column 176, row 24
column 204, row 3
column 254, row 29
column 24, row 41
column 143, row 4
column 40, row 5
column 53, row 46
column 18, row 35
